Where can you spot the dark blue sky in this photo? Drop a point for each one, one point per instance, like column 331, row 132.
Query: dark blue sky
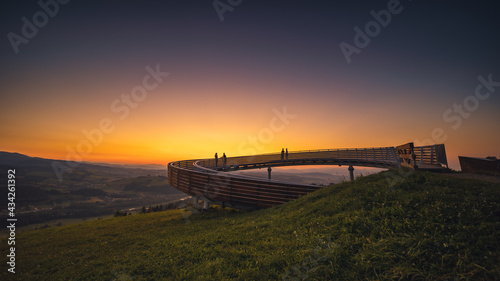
column 427, row 42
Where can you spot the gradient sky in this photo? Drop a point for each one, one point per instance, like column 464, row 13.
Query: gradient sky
column 227, row 77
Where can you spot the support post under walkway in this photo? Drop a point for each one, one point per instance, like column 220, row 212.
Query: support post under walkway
column 351, row 172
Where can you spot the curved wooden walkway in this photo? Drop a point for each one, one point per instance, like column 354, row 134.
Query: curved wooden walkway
column 205, row 180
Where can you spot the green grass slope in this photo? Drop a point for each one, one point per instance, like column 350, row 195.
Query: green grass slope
column 426, row 227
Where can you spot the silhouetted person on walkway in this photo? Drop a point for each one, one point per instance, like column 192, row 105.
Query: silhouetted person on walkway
column 286, row 154
column 216, row 159
column 282, row 153
column 224, row 159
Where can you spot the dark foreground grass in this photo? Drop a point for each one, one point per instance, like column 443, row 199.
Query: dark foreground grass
column 428, row 227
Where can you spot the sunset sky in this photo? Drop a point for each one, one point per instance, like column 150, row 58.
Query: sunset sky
column 230, row 81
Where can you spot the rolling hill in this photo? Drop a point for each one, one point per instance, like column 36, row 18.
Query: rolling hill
column 425, row 227
column 88, row 190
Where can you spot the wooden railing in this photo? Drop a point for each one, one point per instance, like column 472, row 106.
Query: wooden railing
column 232, row 190
column 205, row 180
column 372, row 157
column 430, row 155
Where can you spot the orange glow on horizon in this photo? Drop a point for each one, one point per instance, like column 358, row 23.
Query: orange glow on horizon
column 181, row 121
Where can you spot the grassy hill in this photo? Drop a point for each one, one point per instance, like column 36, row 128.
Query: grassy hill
column 427, row 227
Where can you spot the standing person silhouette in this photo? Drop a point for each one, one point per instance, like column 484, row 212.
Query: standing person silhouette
column 282, row 153
column 286, row 154
column 224, row 159
column 216, row 159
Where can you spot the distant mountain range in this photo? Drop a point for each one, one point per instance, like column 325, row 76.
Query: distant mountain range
column 14, row 158
column 29, row 165
column 11, row 158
